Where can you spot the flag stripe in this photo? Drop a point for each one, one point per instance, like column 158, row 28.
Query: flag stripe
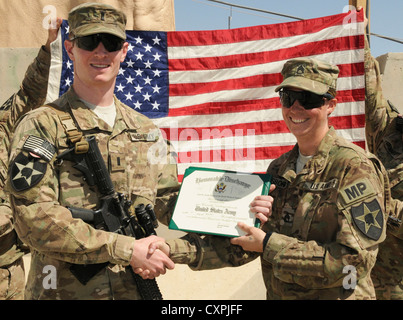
column 253, row 141
column 212, row 93
column 253, row 105
column 256, row 81
column 245, row 154
column 248, row 59
column 254, row 128
column 242, row 94
column 282, row 30
column 353, row 56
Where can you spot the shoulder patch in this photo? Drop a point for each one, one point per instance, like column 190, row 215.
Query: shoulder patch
column 39, row 147
column 357, row 191
column 26, row 172
column 368, row 217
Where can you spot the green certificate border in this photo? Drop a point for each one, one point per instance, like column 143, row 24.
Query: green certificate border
column 266, row 178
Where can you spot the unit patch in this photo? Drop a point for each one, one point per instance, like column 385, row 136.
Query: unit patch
column 357, row 191
column 26, row 171
column 368, row 218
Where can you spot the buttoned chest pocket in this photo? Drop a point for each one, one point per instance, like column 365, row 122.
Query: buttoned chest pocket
column 316, row 217
column 131, row 168
column 304, row 214
column 75, row 189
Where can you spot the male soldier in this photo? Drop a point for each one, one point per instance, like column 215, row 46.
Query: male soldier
column 32, row 94
column 384, row 128
column 328, row 207
column 43, row 187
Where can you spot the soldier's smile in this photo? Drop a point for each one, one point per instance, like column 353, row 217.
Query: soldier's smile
column 298, row 121
column 100, row 66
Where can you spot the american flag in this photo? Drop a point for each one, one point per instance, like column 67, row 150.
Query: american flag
column 212, row 92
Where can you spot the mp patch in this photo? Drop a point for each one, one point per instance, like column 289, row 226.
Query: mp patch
column 26, row 171
column 368, row 217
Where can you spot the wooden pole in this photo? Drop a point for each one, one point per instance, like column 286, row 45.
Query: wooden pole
column 365, row 4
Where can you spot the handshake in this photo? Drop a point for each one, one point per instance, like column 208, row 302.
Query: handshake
column 151, row 255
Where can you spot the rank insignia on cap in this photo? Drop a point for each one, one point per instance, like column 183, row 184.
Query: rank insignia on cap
column 368, row 218
column 27, row 171
column 300, row 70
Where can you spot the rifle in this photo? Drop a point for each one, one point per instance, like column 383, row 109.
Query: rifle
column 114, row 214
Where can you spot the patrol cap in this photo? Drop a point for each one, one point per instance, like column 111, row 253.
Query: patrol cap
column 311, row 75
column 92, row 18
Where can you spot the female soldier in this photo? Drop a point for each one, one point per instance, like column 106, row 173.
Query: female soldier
column 328, row 210
column 330, row 207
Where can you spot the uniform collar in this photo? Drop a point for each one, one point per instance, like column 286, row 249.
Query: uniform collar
column 87, row 119
column 316, row 165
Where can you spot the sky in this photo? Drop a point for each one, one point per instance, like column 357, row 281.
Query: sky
column 385, row 16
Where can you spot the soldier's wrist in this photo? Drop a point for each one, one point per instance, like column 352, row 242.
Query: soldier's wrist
column 266, row 239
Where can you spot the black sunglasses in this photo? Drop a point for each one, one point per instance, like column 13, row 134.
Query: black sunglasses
column 307, row 100
column 91, row 42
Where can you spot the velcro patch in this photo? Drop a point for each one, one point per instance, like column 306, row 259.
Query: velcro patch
column 357, row 191
column 368, row 218
column 280, row 182
column 40, row 147
column 149, row 137
column 321, row 186
column 26, row 171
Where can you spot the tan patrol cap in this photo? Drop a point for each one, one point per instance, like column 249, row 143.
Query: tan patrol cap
column 311, row 75
column 93, row 18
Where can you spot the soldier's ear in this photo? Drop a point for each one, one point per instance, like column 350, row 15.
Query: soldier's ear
column 69, row 45
column 331, row 105
column 125, row 48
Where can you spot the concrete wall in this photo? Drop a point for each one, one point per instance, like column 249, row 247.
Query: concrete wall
column 16, row 15
column 241, row 283
column 13, row 65
column 391, row 67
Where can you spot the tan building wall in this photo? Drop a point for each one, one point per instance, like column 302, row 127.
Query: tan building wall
column 391, row 67
column 21, row 22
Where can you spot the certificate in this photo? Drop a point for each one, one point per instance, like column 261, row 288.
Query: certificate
column 213, row 201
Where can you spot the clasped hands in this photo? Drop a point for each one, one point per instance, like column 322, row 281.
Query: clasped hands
column 151, row 255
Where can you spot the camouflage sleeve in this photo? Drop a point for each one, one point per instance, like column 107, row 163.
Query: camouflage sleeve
column 40, row 220
column 31, row 94
column 168, row 185
column 377, row 110
column 208, row 252
column 33, row 90
column 395, row 225
column 361, row 219
column 10, row 251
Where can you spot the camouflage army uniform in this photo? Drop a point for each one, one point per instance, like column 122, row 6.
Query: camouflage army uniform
column 31, row 94
column 327, row 217
column 327, row 221
column 137, row 159
column 386, row 142
column 318, row 226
